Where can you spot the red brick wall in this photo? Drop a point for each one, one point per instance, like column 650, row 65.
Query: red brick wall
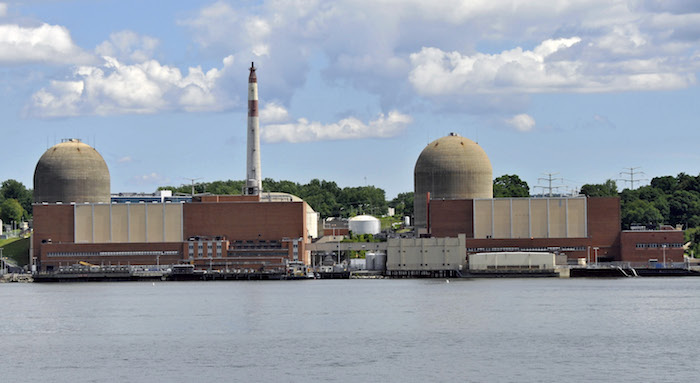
column 631, row 253
column 229, row 198
column 53, row 222
column 247, row 221
column 448, row 218
column 604, row 226
column 327, row 232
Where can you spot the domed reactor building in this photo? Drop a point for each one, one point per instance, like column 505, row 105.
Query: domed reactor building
column 451, row 167
column 71, row 171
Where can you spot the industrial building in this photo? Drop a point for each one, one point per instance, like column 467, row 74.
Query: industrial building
column 77, row 220
column 454, row 199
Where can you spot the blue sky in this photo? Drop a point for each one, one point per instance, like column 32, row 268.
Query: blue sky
column 352, row 91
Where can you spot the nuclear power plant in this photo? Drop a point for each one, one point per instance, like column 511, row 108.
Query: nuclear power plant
column 75, row 221
column 459, row 228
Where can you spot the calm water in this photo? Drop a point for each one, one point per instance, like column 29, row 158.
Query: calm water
column 513, row 330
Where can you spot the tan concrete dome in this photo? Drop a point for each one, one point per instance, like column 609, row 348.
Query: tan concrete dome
column 451, row 167
column 71, row 171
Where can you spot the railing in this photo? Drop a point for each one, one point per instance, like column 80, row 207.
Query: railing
column 637, row 265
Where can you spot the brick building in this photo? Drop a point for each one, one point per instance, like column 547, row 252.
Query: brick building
column 213, row 232
column 579, row 227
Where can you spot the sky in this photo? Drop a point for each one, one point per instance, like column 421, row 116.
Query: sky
column 352, row 91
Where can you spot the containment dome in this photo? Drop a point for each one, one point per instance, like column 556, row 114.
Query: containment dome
column 451, row 167
column 71, row 171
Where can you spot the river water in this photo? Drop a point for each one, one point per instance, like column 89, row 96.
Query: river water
column 411, row 330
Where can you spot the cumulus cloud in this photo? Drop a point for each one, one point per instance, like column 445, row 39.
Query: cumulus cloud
column 350, row 128
column 273, row 112
column 429, row 49
column 128, row 46
column 45, row 44
column 124, row 160
column 402, row 53
column 3, row 9
column 521, row 122
column 549, row 67
column 146, row 87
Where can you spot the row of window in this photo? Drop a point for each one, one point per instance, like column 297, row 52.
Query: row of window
column 110, row 253
column 529, row 249
column 658, row 245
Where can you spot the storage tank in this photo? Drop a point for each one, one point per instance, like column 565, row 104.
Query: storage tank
column 375, row 261
column 451, row 167
column 71, row 171
column 364, row 224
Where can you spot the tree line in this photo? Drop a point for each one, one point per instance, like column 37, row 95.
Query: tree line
column 15, row 202
column 326, row 197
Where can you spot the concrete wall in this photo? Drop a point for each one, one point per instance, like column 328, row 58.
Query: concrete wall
column 426, row 253
column 512, row 260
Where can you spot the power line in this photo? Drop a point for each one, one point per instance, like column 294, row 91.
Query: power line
column 549, row 179
column 631, row 172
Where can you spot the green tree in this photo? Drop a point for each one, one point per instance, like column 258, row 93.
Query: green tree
column 688, row 183
column 12, row 189
column 667, row 184
column 510, row 186
column 692, row 235
column 640, row 212
column 607, row 189
column 403, row 204
column 11, row 210
column 684, row 208
column 363, row 200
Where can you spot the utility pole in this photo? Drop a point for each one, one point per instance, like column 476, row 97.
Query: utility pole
column 631, row 172
column 549, row 179
column 192, row 179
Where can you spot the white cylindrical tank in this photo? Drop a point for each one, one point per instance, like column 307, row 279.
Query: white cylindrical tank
column 364, row 224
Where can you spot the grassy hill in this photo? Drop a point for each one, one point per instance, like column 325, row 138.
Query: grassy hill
column 16, row 249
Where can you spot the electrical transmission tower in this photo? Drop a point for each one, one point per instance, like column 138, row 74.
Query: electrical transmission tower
column 192, row 179
column 631, row 172
column 549, row 179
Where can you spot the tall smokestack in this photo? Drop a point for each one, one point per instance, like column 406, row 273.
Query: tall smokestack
column 253, row 178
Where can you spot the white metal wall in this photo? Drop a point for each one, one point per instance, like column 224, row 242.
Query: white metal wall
column 128, row 223
column 530, row 218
